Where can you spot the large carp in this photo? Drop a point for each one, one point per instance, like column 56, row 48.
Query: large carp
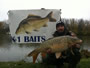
column 34, row 23
column 56, row 45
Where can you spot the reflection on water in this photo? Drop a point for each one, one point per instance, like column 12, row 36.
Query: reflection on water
column 13, row 53
column 16, row 52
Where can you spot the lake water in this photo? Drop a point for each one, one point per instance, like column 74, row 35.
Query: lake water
column 16, row 52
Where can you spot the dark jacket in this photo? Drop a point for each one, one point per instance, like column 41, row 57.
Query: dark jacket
column 51, row 58
column 56, row 33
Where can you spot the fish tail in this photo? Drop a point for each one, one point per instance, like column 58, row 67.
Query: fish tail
column 34, row 54
column 43, row 54
column 50, row 17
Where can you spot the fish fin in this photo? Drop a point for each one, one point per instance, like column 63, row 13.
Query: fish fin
column 33, row 16
column 34, row 53
column 58, row 54
column 27, row 32
column 43, row 54
column 50, row 17
column 52, row 20
column 36, row 30
column 45, row 25
column 35, row 57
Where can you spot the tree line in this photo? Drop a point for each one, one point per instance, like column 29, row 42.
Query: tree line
column 78, row 26
column 4, row 28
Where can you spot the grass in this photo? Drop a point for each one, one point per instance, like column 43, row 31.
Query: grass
column 84, row 63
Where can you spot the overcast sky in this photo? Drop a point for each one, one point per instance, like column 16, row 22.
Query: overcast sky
column 70, row 8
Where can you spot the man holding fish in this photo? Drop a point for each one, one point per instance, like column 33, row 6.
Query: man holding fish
column 57, row 50
column 67, row 56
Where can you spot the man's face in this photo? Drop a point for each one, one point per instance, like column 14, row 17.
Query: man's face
column 60, row 28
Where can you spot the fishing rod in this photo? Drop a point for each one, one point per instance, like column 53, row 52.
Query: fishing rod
column 60, row 16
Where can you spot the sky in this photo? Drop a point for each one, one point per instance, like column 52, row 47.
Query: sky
column 70, row 8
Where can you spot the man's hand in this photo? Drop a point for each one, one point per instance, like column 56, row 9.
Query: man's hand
column 77, row 46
